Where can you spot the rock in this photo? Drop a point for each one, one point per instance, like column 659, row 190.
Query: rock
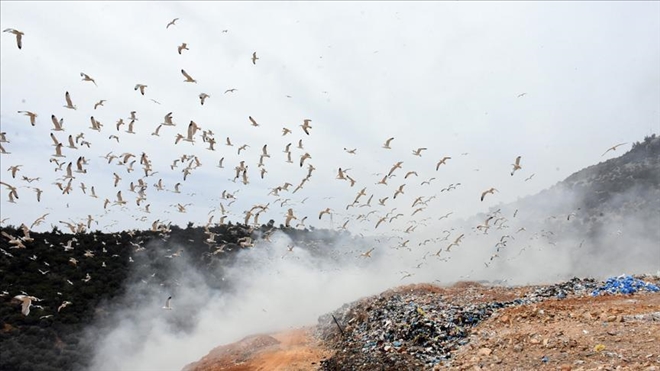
column 484, row 351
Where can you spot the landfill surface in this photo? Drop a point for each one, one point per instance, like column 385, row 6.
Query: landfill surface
column 579, row 324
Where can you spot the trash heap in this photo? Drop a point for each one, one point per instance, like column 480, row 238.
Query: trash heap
column 419, row 330
column 402, row 331
column 624, row 284
column 576, row 286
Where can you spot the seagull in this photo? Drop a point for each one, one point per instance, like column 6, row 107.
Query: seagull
column 19, row 36
column 613, row 148
column 418, row 152
column 394, row 167
column 85, row 77
column 69, row 104
column 188, row 77
column 516, row 166
column 326, row 211
column 491, row 191
column 230, row 90
column 304, row 157
column 99, row 103
column 63, row 305
column 442, row 162
column 141, row 87
column 387, row 143
column 399, row 191
column 181, row 47
column 289, row 216
column 167, row 303
column 203, row 97
column 253, row 121
column 171, row 23
column 27, row 302
column 368, row 253
column 14, row 169
column 306, row 126
column 530, row 177
column 254, row 58
column 168, row 120
column 521, row 95
column 32, row 116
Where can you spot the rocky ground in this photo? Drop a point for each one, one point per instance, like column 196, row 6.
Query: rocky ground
column 468, row 326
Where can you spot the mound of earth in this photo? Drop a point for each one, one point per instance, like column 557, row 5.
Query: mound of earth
column 467, row 326
column 285, row 351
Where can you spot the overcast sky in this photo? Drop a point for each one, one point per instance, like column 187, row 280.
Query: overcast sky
column 557, row 83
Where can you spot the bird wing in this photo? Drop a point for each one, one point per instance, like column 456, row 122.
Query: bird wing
column 55, row 141
column 26, row 305
column 186, row 75
column 192, row 128
column 19, row 39
column 518, row 161
column 68, row 99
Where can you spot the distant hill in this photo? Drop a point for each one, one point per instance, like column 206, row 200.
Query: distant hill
column 606, row 216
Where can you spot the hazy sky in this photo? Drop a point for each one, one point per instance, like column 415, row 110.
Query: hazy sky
column 442, row 75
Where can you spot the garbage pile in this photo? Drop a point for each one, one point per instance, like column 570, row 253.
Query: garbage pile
column 576, row 286
column 404, row 331
column 624, row 284
column 420, row 329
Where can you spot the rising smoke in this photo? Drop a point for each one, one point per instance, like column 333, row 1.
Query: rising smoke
column 282, row 284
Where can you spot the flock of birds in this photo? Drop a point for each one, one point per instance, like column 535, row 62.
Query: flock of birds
column 75, row 167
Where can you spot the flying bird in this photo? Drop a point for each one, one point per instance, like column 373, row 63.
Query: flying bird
column 188, row 77
column 442, row 162
column 19, row 36
column 387, row 143
column 254, row 58
column 69, row 104
column 303, row 158
column 63, row 305
column 141, row 87
column 32, row 116
column 516, row 166
column 99, row 103
column 253, row 121
column 202, row 97
column 368, row 253
column 171, row 23
column 613, row 148
column 484, row 193
column 168, row 303
column 326, row 211
column 306, row 126
column 85, row 77
column 418, row 151
column 26, row 300
column 181, row 47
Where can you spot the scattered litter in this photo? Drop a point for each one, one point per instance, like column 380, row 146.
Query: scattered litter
column 624, row 284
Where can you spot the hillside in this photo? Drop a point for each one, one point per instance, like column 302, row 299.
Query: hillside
column 600, row 221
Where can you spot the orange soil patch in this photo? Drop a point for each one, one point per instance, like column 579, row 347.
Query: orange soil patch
column 285, row 351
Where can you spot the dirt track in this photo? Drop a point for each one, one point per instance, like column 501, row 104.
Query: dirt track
column 619, row 332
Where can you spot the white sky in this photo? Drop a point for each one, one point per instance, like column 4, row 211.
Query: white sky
column 441, row 75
